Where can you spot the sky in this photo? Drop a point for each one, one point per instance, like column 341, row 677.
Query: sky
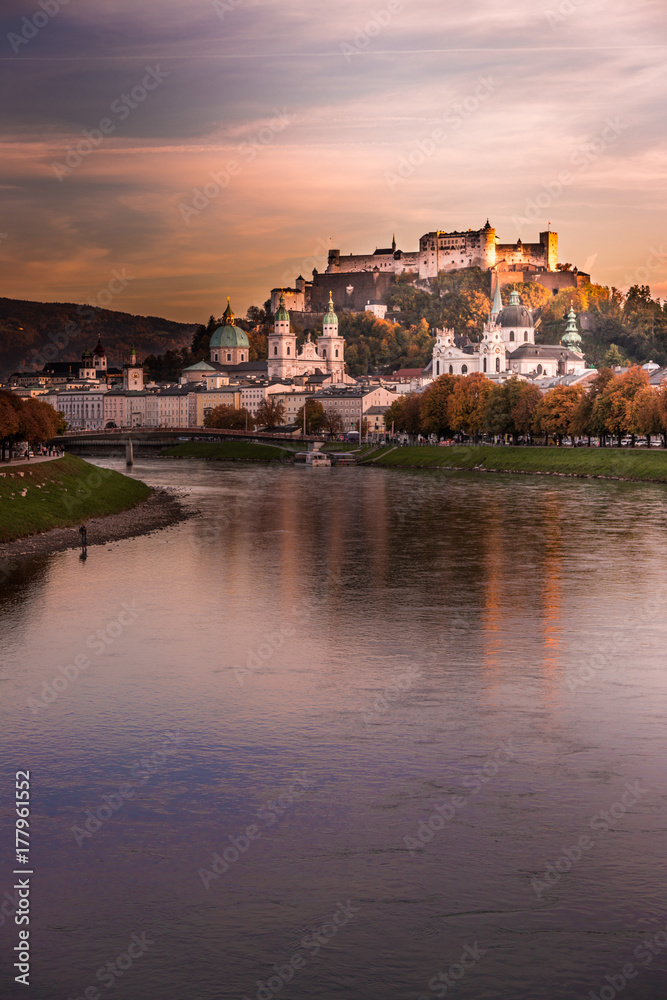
column 173, row 154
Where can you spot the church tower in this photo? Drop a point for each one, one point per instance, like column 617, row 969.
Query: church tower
column 282, row 344
column 331, row 346
column 133, row 373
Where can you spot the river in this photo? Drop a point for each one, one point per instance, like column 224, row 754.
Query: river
column 356, row 733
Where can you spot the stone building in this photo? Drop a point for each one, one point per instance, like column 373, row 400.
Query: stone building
column 326, row 355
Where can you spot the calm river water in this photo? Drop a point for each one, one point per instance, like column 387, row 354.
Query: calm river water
column 380, row 735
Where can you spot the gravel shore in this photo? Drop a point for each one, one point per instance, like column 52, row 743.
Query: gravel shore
column 159, row 511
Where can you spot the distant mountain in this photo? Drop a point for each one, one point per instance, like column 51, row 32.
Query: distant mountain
column 32, row 333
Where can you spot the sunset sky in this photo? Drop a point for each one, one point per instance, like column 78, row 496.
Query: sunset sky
column 306, row 111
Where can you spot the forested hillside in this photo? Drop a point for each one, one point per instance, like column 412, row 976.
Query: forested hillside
column 32, row 333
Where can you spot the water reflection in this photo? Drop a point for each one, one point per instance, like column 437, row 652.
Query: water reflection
column 384, row 633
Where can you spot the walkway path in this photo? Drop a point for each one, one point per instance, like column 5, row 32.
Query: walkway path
column 29, row 461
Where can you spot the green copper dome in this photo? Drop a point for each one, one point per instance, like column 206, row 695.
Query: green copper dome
column 330, row 316
column 571, row 338
column 229, row 335
column 282, row 316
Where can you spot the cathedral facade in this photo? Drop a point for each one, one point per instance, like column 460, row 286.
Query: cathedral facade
column 508, row 347
column 326, row 355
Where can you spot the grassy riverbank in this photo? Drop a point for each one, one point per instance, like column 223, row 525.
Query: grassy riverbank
column 61, row 493
column 611, row 463
column 230, row 451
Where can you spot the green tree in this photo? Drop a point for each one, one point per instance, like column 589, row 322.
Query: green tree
column 501, row 408
column 316, row 418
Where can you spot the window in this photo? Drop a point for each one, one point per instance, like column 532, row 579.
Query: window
column 229, row 357
column 464, row 369
column 437, row 368
column 484, row 364
column 324, row 353
column 525, row 336
column 511, row 334
column 288, row 350
column 539, row 369
column 336, row 352
column 451, row 369
column 497, row 364
column 275, row 350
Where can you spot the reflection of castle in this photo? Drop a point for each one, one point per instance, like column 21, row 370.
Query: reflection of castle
column 508, row 346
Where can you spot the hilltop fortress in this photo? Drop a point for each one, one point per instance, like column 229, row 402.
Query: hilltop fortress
column 358, row 280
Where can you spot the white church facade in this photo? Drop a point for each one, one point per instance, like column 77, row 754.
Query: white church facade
column 508, row 347
column 326, row 355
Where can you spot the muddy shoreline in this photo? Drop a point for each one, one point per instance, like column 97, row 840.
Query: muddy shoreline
column 161, row 510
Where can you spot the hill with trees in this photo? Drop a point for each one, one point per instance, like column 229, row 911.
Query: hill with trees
column 33, row 333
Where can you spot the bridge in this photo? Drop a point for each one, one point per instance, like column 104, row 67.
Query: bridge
column 157, row 438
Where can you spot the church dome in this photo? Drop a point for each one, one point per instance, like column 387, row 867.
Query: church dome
column 515, row 314
column 229, row 335
column 282, row 316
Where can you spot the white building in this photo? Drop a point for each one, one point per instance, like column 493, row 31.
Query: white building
column 326, row 355
column 508, row 347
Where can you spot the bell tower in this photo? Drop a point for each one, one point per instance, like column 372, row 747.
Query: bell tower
column 282, row 344
column 331, row 346
column 133, row 373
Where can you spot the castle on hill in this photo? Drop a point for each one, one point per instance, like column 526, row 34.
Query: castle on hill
column 357, row 280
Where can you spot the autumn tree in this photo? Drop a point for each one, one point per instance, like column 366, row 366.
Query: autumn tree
column 434, row 406
column 524, row 409
column 556, row 409
column 405, row 414
column 270, row 413
column 467, row 404
column 647, row 417
column 10, row 422
column 228, row 418
column 501, row 407
column 617, row 401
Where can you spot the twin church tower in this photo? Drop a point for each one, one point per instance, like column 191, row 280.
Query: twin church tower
column 327, row 353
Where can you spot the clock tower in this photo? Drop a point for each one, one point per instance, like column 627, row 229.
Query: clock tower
column 133, row 373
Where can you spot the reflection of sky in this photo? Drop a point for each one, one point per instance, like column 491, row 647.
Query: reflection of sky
column 555, row 85
column 495, row 588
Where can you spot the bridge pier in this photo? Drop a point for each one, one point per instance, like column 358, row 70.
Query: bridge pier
column 129, row 453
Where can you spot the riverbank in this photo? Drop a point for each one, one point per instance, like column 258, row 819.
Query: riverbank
column 230, row 451
column 634, row 465
column 42, row 507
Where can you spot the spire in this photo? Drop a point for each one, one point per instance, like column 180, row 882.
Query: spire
column 282, row 316
column 572, row 338
column 228, row 315
column 515, row 298
column 497, row 306
column 330, row 318
column 393, row 242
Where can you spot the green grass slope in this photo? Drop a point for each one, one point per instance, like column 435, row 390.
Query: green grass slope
column 230, row 451
column 636, row 464
column 59, row 494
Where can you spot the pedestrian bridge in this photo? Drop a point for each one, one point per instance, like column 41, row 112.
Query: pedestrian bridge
column 156, row 438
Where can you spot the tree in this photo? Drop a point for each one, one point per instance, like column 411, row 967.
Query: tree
column 228, row 418
column 467, row 404
column 647, row 417
column 316, row 418
column 435, row 406
column 556, row 409
column 613, row 358
column 617, row 401
column 10, row 422
column 333, row 423
column 501, row 406
column 405, row 414
column 525, row 407
column 270, row 413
